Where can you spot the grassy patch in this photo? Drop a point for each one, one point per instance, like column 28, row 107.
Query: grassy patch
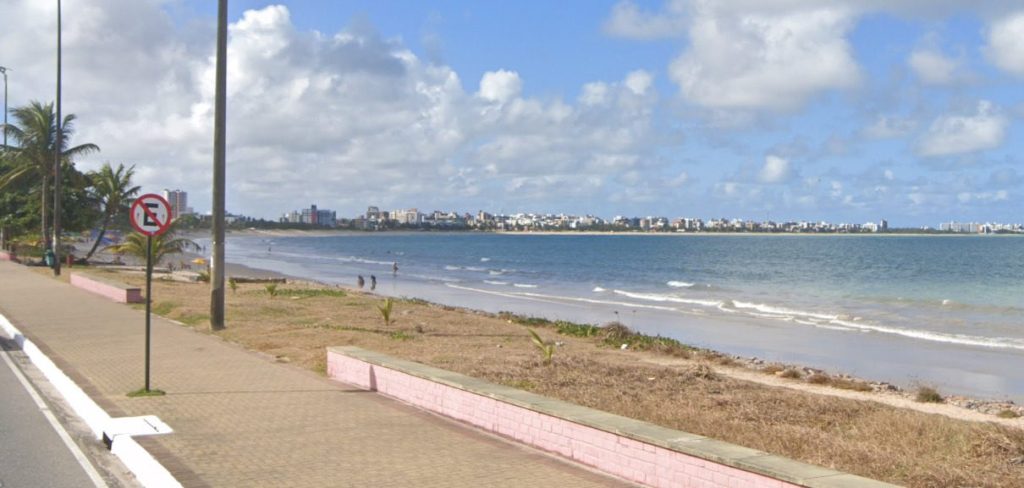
column 615, row 334
column 523, row 384
column 194, row 319
column 311, row 292
column 163, row 308
column 142, row 392
column 1007, row 414
column 577, row 330
column 399, row 335
column 525, row 320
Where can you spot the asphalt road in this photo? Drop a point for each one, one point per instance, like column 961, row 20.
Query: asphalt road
column 32, row 451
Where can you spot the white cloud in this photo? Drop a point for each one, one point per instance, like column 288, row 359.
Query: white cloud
column 1004, row 47
column 762, row 56
column 628, row 21
column 775, row 170
column 957, row 134
column 886, row 127
column 932, row 67
column 500, row 86
column 639, row 82
column 341, row 119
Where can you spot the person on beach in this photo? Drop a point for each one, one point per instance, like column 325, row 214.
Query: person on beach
column 394, row 269
column 373, row 282
column 360, row 281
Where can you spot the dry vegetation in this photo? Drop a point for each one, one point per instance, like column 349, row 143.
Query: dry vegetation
column 589, row 367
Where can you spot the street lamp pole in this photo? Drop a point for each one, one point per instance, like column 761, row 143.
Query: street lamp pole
column 57, row 146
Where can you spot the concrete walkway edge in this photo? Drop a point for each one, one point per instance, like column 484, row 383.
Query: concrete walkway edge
column 147, row 470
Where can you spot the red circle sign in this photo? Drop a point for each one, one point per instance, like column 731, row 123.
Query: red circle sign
column 150, row 214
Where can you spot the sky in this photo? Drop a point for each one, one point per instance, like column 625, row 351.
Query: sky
column 839, row 110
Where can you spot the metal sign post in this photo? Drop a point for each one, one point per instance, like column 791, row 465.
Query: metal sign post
column 150, row 215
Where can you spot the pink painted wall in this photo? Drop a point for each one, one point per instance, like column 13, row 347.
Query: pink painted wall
column 7, row 256
column 116, row 293
column 607, row 452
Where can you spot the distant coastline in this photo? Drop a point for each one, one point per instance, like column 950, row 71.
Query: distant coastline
column 326, row 232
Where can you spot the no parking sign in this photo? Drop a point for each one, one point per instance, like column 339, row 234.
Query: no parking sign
column 150, row 214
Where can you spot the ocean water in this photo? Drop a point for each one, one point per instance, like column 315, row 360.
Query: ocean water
column 939, row 310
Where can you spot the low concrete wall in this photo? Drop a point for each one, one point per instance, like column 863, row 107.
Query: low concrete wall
column 636, row 451
column 114, row 291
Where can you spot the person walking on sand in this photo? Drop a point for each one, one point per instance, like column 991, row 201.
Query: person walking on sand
column 394, row 269
column 360, row 281
column 373, row 282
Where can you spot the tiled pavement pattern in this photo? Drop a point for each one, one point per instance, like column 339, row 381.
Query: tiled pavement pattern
column 242, row 420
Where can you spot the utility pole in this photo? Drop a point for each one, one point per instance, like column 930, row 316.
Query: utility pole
column 217, row 259
column 3, row 71
column 57, row 153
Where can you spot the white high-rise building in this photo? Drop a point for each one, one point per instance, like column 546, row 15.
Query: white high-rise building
column 179, row 202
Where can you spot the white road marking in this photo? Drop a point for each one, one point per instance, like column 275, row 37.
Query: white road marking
column 97, row 480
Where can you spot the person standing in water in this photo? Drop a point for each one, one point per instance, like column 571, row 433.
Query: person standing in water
column 360, row 281
column 373, row 282
column 394, row 269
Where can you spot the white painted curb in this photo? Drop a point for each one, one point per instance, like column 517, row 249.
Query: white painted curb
column 143, row 465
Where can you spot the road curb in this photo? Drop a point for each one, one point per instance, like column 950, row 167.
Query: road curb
column 147, row 470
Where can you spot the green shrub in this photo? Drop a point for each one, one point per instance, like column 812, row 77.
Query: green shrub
column 271, row 289
column 233, row 285
column 546, row 349
column 791, row 374
column 577, row 330
column 928, row 394
column 1007, row 414
column 385, row 310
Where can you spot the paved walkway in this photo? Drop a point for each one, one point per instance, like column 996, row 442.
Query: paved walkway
column 242, row 420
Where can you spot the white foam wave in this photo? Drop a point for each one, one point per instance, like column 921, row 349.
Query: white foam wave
column 655, row 297
column 494, row 282
column 782, row 312
column 452, row 267
column 353, row 259
column 484, row 260
column 523, row 285
column 962, row 339
column 680, row 284
column 560, row 299
column 598, row 289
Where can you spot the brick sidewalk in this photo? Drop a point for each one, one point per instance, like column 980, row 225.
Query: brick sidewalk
column 242, row 420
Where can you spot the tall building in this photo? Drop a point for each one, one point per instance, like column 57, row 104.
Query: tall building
column 179, row 202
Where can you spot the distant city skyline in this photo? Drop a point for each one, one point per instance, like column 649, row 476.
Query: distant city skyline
column 843, row 111
column 376, row 218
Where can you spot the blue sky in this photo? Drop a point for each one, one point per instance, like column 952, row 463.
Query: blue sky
column 907, row 110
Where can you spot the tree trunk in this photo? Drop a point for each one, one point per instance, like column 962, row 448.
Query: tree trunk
column 103, row 231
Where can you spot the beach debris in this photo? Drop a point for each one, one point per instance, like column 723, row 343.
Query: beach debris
column 624, row 347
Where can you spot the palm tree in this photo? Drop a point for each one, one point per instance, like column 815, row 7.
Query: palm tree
column 164, row 244
column 112, row 188
column 32, row 157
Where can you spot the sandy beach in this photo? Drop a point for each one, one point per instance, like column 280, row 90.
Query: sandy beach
column 801, row 413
